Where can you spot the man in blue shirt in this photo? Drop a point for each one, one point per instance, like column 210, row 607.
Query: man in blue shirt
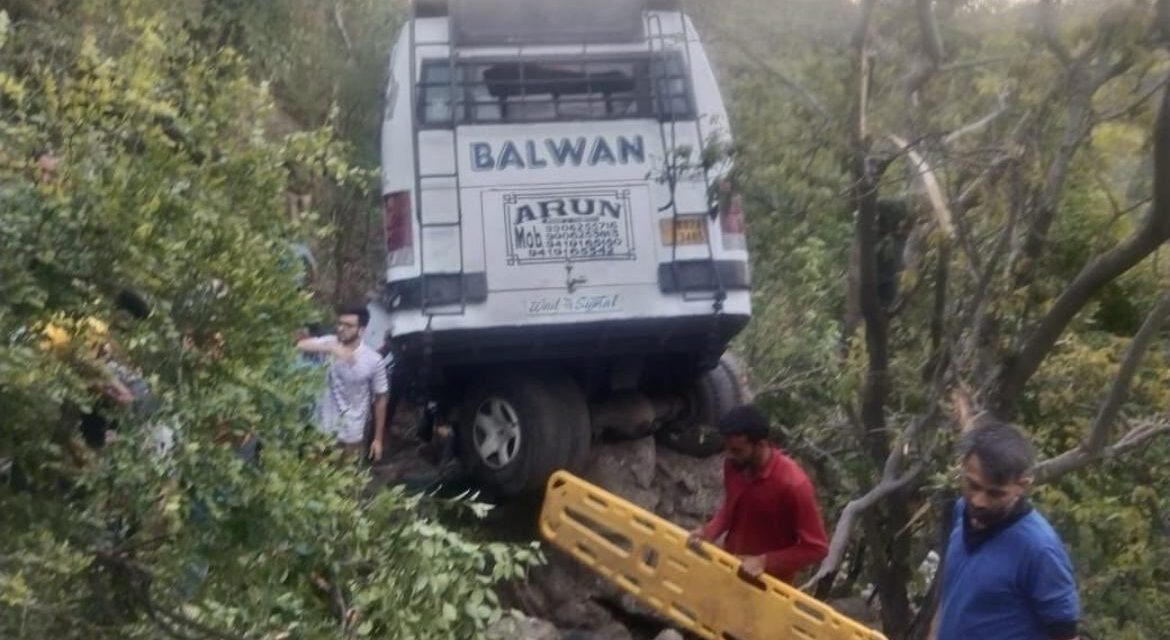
column 1006, row 575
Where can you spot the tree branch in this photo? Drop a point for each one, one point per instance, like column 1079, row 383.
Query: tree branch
column 339, row 20
column 1094, row 447
column 1079, row 458
column 926, row 65
column 938, row 319
column 1078, row 125
column 1132, row 107
column 1119, row 392
column 1050, row 32
column 1084, row 79
column 847, row 523
column 890, row 482
column 923, row 170
column 993, row 169
column 1155, row 230
column 332, row 589
column 977, row 317
column 938, row 204
column 931, row 38
column 864, row 195
column 979, row 124
column 166, row 627
column 136, row 580
column 971, row 64
column 1162, row 19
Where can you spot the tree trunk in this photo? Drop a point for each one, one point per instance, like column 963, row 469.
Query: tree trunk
column 889, row 562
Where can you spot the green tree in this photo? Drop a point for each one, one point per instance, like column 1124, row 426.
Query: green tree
column 325, row 64
column 953, row 210
column 132, row 155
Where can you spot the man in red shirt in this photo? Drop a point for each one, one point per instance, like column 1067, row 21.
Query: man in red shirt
column 769, row 510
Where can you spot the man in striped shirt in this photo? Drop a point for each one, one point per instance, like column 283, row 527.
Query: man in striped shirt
column 355, row 381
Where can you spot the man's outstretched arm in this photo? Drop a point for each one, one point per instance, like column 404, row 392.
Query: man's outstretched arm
column 379, row 427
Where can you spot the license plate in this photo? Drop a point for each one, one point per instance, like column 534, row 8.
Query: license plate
column 684, row 230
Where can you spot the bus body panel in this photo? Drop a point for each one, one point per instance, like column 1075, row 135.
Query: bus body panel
column 559, row 222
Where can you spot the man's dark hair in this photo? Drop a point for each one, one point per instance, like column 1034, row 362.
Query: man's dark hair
column 362, row 313
column 745, row 420
column 1005, row 453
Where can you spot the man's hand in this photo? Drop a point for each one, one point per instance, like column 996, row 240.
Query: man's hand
column 753, row 566
column 380, row 401
column 696, row 539
column 117, row 391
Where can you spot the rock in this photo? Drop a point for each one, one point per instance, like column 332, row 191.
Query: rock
column 677, row 487
column 669, row 634
column 689, row 489
column 634, row 607
column 526, row 596
column 858, row 609
column 517, row 626
column 635, row 615
column 626, row 469
column 582, row 614
column 613, row 631
column 564, row 592
column 564, row 580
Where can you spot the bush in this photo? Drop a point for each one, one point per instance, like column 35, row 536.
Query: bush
column 130, row 156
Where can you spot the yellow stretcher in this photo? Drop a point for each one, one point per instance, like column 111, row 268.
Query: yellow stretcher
column 700, row 590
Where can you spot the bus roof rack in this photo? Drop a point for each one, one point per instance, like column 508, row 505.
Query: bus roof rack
column 441, row 8
column 552, row 22
column 430, row 8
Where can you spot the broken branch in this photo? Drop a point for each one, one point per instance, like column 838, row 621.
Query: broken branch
column 934, row 194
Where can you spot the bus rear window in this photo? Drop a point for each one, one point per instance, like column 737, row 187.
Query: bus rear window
column 528, row 91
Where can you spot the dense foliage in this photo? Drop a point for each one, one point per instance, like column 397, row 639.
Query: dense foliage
column 1032, row 110
column 137, row 152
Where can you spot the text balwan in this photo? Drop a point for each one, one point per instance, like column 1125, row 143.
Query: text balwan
column 558, row 152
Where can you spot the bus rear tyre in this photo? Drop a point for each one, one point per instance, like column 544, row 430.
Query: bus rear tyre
column 709, row 398
column 517, row 428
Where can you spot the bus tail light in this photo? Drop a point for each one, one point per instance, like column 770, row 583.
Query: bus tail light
column 399, row 229
column 731, row 220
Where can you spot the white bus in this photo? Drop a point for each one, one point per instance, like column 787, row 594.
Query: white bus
column 565, row 258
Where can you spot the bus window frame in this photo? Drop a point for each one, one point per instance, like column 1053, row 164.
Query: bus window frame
column 464, row 102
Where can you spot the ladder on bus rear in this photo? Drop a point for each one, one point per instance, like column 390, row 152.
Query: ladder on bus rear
column 660, row 78
column 423, row 182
